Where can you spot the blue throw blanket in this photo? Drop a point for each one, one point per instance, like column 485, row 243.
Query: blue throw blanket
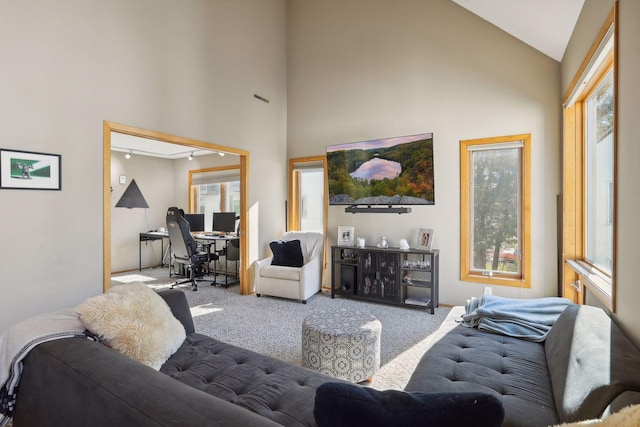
column 528, row 319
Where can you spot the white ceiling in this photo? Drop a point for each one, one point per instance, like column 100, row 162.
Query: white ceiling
column 545, row 25
column 150, row 147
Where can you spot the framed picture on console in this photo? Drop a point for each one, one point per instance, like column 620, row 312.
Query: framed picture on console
column 28, row 170
column 425, row 238
column 345, row 236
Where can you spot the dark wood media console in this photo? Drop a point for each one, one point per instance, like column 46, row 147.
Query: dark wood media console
column 392, row 275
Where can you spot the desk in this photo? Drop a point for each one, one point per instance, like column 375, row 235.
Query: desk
column 150, row 237
column 214, row 239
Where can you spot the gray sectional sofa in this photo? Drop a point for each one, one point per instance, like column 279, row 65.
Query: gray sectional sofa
column 585, row 368
column 78, row 382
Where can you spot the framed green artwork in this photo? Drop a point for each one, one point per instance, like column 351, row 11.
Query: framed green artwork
column 27, row 170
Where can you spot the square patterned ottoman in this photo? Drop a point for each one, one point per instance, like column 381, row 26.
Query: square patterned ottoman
column 342, row 343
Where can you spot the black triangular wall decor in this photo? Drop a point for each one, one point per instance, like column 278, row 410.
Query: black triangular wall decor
column 132, row 197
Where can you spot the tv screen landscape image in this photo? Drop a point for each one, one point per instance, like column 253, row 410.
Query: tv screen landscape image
column 389, row 171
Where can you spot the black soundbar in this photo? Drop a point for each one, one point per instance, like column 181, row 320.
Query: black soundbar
column 378, row 209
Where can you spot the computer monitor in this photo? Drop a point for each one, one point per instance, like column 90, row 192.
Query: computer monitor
column 224, row 222
column 196, row 221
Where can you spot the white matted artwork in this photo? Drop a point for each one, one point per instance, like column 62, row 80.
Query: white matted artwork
column 28, row 170
column 345, row 236
column 425, row 238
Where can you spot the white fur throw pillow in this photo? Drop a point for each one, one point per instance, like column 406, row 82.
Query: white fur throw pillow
column 627, row 417
column 136, row 321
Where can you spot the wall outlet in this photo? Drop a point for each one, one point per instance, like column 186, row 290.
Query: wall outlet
column 488, row 290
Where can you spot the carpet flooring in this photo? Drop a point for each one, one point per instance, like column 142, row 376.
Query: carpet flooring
column 273, row 326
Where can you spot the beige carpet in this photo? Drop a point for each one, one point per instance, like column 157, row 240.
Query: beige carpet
column 273, row 326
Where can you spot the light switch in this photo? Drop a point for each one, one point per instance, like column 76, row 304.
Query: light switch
column 123, row 179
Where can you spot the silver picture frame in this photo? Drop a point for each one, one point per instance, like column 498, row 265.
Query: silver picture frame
column 346, row 236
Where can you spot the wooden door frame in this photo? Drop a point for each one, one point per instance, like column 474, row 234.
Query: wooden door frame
column 109, row 127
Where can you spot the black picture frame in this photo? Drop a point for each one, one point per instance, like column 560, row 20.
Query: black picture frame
column 30, row 170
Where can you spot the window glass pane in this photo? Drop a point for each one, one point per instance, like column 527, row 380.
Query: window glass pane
column 496, row 210
column 599, row 175
column 232, row 197
column 311, row 200
column 210, row 197
column 208, row 201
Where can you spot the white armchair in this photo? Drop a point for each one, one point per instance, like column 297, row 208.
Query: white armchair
column 298, row 283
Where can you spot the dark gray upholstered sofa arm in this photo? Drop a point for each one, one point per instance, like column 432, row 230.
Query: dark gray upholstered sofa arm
column 594, row 366
column 78, row 382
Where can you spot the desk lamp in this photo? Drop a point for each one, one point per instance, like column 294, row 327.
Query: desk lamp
column 132, row 197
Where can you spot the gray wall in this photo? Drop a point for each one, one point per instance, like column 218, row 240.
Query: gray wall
column 371, row 69
column 628, row 201
column 187, row 68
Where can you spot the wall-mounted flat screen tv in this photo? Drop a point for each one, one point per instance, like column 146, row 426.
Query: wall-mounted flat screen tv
column 389, row 171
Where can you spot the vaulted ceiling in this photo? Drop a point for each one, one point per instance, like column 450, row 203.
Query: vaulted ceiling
column 545, row 25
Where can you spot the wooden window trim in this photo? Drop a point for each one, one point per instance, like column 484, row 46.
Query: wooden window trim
column 575, row 268
column 466, row 274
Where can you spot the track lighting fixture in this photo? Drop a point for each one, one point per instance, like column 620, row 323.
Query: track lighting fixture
column 190, row 156
column 128, row 155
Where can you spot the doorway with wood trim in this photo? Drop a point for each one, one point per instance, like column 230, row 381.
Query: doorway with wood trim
column 109, row 128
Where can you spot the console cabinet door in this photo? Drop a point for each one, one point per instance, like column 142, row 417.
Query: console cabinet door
column 388, row 276
column 379, row 276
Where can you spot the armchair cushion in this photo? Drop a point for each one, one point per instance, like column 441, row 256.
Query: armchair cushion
column 282, row 272
column 287, row 253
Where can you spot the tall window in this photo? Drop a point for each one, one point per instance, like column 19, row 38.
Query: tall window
column 589, row 185
column 231, row 197
column 214, row 190
column 494, row 210
column 599, row 116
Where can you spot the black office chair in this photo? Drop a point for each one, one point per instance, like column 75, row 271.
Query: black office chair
column 185, row 249
column 232, row 254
